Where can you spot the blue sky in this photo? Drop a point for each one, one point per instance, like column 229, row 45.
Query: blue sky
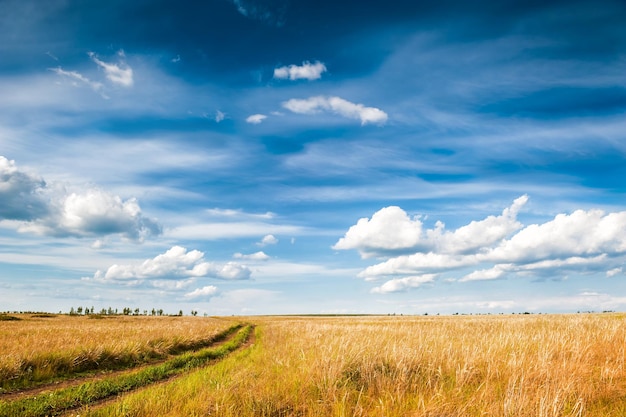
column 281, row 157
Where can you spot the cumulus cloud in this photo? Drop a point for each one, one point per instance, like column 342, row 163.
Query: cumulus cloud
column 403, row 284
column 94, row 212
column 268, row 240
column 255, row 119
column 176, row 263
column 21, row 193
column 257, row 256
column 50, row 211
column 118, row 73
column 337, row 105
column 202, row 293
column 306, row 71
column 391, row 230
column 388, row 230
column 492, row 248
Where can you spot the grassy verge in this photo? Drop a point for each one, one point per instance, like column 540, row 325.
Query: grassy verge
column 56, row 367
column 62, row 400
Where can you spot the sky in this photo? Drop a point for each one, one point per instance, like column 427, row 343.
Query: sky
column 299, row 156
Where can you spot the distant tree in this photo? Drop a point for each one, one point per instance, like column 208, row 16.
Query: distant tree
column 160, row 312
column 136, row 312
column 72, row 311
column 194, row 313
column 180, row 312
column 153, row 312
column 79, row 310
column 110, row 311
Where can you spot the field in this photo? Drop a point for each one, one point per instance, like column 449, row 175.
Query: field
column 515, row 365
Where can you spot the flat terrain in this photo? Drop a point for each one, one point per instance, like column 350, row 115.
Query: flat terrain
column 516, row 365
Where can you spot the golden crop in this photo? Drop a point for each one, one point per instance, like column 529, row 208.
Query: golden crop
column 532, row 365
column 39, row 348
column 519, row 365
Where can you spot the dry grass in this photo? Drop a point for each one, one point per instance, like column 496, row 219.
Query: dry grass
column 37, row 349
column 569, row 365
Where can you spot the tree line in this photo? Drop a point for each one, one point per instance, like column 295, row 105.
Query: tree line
column 126, row 311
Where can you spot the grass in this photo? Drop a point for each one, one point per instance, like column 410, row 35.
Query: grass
column 547, row 366
column 38, row 350
column 59, row 401
column 520, row 365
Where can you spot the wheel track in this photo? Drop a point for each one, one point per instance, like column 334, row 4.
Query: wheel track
column 198, row 358
column 75, row 412
column 97, row 375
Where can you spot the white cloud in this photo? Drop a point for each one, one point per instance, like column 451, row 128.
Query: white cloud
column 339, row 106
column 391, row 230
column 21, row 193
column 76, row 76
column 202, row 293
column 47, row 210
column 305, row 71
column 582, row 233
column 219, row 116
column 496, row 247
column 175, row 263
column 614, row 271
column 418, row 263
column 255, row 119
column 403, row 284
column 257, row 256
column 231, row 229
column 120, row 73
column 485, row 274
column 94, row 212
column 268, row 240
column 238, row 214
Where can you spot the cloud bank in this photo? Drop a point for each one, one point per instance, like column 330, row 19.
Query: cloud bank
column 337, row 105
column 175, row 264
column 41, row 209
column 306, row 71
column 492, row 248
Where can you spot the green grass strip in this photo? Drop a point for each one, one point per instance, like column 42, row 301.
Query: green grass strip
column 57, row 402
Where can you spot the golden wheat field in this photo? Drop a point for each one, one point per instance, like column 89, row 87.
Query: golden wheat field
column 39, row 347
column 515, row 365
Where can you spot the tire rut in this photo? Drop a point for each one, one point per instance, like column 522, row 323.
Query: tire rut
column 75, row 412
column 50, row 389
column 72, row 381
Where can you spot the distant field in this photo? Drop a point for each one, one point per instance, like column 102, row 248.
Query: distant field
column 520, row 365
